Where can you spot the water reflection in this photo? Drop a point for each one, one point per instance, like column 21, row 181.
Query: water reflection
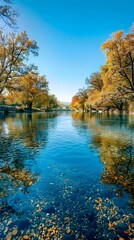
column 50, row 172
column 113, row 136
column 21, row 138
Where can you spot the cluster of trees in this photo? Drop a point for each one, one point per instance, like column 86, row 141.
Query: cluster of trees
column 20, row 82
column 112, row 88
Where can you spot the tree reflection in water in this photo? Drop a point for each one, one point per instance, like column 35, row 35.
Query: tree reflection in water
column 113, row 138
column 118, row 158
column 21, row 139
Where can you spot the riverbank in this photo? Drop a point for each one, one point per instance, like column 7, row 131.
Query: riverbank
column 4, row 109
column 13, row 109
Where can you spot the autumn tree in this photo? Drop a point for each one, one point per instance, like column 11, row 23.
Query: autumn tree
column 83, row 96
column 47, row 102
column 95, row 81
column 75, row 102
column 119, row 51
column 112, row 88
column 33, row 90
column 118, row 101
column 14, row 53
column 52, row 102
column 95, row 85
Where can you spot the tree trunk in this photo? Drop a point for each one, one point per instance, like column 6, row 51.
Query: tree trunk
column 83, row 107
column 29, row 105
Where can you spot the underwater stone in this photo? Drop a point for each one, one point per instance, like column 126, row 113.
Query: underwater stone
column 24, row 224
column 49, row 210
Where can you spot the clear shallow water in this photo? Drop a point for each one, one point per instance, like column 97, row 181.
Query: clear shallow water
column 66, row 176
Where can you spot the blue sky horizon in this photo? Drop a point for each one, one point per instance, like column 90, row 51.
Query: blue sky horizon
column 69, row 34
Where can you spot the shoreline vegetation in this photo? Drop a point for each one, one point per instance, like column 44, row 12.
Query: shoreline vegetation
column 112, row 87
column 13, row 109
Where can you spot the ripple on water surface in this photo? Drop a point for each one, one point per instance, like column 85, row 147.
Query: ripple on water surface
column 66, row 176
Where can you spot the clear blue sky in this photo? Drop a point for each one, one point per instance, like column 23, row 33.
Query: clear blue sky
column 69, row 34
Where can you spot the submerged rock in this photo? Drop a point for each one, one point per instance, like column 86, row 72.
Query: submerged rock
column 9, row 236
column 49, row 210
column 68, row 237
column 120, row 232
column 6, row 209
column 90, row 234
column 24, row 224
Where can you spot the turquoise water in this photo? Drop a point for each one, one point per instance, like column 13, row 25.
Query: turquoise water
column 66, row 176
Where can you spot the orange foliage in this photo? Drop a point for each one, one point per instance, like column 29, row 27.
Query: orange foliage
column 75, row 101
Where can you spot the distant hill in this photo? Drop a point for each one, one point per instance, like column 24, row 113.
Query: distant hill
column 65, row 103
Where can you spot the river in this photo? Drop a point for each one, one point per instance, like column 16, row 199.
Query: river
column 66, row 175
